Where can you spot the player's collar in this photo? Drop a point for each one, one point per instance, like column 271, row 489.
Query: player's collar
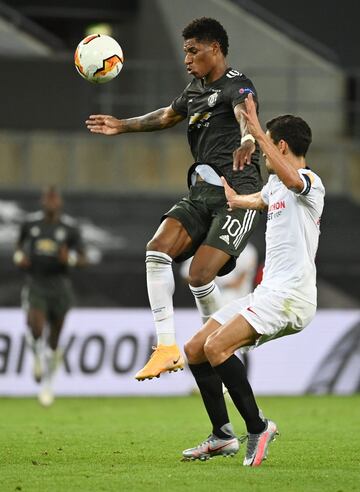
column 215, row 82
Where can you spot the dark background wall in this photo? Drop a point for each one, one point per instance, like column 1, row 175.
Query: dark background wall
column 332, row 23
column 130, row 221
column 46, row 93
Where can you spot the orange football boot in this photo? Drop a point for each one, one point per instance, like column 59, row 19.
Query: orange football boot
column 164, row 358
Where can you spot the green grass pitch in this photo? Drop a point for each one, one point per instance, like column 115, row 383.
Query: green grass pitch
column 135, row 444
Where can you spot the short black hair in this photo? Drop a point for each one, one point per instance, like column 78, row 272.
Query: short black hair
column 207, row 29
column 294, row 130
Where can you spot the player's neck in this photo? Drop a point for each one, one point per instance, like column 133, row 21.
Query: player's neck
column 297, row 162
column 216, row 73
column 52, row 216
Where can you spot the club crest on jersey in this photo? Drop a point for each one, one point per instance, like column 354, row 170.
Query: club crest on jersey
column 60, row 234
column 212, row 99
column 35, row 231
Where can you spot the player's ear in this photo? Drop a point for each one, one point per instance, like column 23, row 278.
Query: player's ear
column 215, row 47
column 283, row 147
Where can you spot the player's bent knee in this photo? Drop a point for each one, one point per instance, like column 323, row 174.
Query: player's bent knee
column 154, row 245
column 193, row 351
column 190, row 351
column 213, row 350
column 201, row 277
column 157, row 244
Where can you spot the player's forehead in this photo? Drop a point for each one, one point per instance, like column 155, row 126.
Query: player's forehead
column 195, row 44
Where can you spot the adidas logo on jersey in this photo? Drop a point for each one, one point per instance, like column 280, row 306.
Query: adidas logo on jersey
column 225, row 238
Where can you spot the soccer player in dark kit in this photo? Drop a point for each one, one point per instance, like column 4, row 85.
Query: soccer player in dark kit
column 49, row 243
column 200, row 224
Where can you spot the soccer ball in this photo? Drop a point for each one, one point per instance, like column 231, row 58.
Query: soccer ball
column 98, row 58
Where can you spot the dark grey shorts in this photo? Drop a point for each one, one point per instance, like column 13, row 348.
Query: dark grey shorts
column 204, row 214
column 54, row 297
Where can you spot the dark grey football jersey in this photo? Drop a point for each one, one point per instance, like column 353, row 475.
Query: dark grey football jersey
column 213, row 131
column 42, row 241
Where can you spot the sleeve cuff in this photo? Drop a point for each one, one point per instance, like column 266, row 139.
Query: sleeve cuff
column 307, row 184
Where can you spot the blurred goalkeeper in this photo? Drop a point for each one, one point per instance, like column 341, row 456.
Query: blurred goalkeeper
column 49, row 245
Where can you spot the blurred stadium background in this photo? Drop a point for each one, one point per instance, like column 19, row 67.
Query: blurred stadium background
column 300, row 63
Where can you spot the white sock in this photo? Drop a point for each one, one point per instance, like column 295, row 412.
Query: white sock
column 161, row 286
column 35, row 344
column 48, row 366
column 53, row 359
column 208, row 299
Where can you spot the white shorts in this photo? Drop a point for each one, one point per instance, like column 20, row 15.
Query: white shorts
column 271, row 314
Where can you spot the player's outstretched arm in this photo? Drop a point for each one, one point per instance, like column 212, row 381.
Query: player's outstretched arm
column 253, row 201
column 242, row 155
column 156, row 120
column 286, row 173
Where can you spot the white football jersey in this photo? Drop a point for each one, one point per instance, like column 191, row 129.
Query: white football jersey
column 292, row 235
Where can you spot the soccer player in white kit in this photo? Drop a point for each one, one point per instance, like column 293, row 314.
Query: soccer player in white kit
column 284, row 302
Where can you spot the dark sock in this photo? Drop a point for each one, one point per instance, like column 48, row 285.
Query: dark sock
column 233, row 374
column 210, row 386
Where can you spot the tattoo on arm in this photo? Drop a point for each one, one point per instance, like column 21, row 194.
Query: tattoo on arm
column 156, row 120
